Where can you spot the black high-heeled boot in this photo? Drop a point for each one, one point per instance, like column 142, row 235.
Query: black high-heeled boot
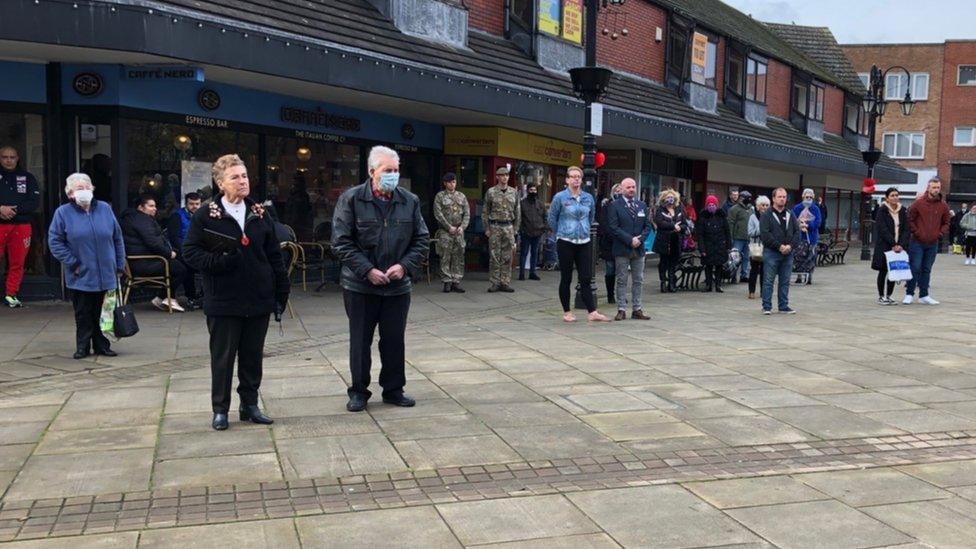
column 611, row 282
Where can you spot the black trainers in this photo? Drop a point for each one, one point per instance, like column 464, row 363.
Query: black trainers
column 787, row 311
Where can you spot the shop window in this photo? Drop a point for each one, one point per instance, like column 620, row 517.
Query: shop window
column 677, row 54
column 904, row 145
column 25, row 133
column 756, row 80
column 170, row 160
column 305, row 179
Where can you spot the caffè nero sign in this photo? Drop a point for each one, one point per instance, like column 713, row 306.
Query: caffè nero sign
column 319, row 118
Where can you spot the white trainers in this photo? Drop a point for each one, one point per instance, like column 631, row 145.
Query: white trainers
column 174, row 304
column 907, row 300
column 165, row 304
column 157, row 302
column 928, row 300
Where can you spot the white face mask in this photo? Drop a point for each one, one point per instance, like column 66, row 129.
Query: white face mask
column 84, row 196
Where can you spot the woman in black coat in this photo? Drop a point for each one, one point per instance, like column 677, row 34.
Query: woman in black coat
column 714, row 241
column 669, row 219
column 890, row 234
column 244, row 281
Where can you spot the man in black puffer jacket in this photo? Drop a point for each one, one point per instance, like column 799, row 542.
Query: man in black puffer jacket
column 143, row 236
column 381, row 239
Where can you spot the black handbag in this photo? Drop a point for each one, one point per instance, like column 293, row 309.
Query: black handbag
column 124, row 320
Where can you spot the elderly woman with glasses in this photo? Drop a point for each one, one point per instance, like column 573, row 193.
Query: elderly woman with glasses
column 232, row 242
column 85, row 237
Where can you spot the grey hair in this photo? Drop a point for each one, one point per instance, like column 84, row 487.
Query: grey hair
column 379, row 151
column 74, row 179
column 762, row 199
column 808, row 190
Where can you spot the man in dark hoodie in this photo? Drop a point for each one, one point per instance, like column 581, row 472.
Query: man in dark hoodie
column 143, row 236
column 928, row 221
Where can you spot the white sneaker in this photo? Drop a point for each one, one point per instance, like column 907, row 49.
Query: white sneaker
column 174, row 304
column 928, row 300
column 157, row 302
column 907, row 300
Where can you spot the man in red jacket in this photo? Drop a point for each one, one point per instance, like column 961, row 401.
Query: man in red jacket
column 928, row 221
column 19, row 198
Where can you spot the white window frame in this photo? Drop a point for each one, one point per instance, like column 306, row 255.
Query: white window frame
column 959, row 75
column 892, row 95
column 865, row 79
column 909, row 136
column 972, row 136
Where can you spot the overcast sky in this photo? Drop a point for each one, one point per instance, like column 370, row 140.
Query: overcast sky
column 872, row 21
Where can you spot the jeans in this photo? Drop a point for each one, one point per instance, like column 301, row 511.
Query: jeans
column 776, row 264
column 529, row 248
column 743, row 247
column 921, row 257
column 635, row 268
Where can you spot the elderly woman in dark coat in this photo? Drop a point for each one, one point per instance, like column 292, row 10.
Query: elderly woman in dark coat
column 714, row 241
column 891, row 234
column 670, row 222
column 232, row 242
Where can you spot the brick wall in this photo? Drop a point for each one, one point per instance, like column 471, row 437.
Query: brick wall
column 925, row 118
column 637, row 53
column 958, row 106
column 778, row 87
column 487, row 15
column 833, row 110
column 720, row 69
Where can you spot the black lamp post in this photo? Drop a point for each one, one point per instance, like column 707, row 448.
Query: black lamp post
column 589, row 84
column 875, row 106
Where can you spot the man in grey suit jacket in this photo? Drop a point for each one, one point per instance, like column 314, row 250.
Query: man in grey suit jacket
column 629, row 223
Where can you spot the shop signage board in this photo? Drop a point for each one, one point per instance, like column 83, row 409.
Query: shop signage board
column 699, row 52
column 195, row 175
column 549, row 20
column 573, row 20
column 162, row 72
column 485, row 141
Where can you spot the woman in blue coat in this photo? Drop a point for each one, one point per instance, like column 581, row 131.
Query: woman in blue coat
column 808, row 215
column 85, row 237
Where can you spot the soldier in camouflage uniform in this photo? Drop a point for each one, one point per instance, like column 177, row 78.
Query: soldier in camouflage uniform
column 502, row 216
column 452, row 215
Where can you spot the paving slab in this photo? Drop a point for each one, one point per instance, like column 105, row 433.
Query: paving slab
column 206, row 444
column 456, row 451
column 22, row 433
column 558, row 441
column 829, row 422
column 22, row 414
column 817, row 524
column 924, row 421
column 745, row 430
column 91, row 473
column 872, row 487
column 93, row 440
column 750, row 492
column 660, row 516
column 867, row 402
column 412, row 428
column 945, row 474
column 13, row 456
column 122, row 540
column 616, row 401
column 505, row 520
column 243, row 535
column 580, row 541
column 490, row 393
column 521, row 414
column 406, row 528
column 120, row 417
column 934, row 523
column 209, row 471
column 925, row 394
column 338, row 456
column 769, row 398
column 114, row 399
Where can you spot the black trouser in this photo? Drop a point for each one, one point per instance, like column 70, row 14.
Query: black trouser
column 971, row 247
column 88, row 309
column 883, row 282
column 366, row 312
column 240, row 337
column 666, row 269
column 528, row 247
column 580, row 255
column 755, row 274
column 713, row 275
column 190, row 284
column 152, row 267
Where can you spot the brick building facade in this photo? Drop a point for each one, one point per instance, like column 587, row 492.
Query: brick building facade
column 957, row 155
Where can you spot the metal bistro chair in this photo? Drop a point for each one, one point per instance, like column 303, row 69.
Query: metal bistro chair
column 315, row 254
column 293, row 253
column 156, row 280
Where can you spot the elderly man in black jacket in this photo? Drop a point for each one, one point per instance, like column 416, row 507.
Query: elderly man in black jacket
column 143, row 236
column 780, row 235
column 381, row 239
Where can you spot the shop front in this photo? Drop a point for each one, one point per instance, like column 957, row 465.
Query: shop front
column 474, row 153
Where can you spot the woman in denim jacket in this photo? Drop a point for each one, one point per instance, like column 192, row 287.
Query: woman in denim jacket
column 570, row 216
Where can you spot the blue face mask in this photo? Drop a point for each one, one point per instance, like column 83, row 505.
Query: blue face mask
column 389, row 182
column 808, row 202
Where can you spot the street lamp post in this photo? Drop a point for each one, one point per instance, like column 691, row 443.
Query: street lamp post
column 589, row 84
column 875, row 106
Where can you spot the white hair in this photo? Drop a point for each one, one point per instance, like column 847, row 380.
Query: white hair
column 75, row 179
column 762, row 199
column 808, row 191
column 378, row 152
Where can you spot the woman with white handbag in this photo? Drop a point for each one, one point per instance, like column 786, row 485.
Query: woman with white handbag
column 890, row 235
column 755, row 245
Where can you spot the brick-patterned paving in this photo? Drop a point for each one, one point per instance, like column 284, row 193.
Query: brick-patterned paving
column 267, row 500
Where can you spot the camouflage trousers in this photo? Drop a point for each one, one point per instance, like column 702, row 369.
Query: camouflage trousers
column 501, row 244
column 451, row 251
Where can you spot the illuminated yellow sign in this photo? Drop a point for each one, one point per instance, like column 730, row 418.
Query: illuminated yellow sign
column 573, row 20
column 479, row 141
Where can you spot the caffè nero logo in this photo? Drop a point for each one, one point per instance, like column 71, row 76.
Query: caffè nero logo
column 87, row 84
column 208, row 99
column 320, row 118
